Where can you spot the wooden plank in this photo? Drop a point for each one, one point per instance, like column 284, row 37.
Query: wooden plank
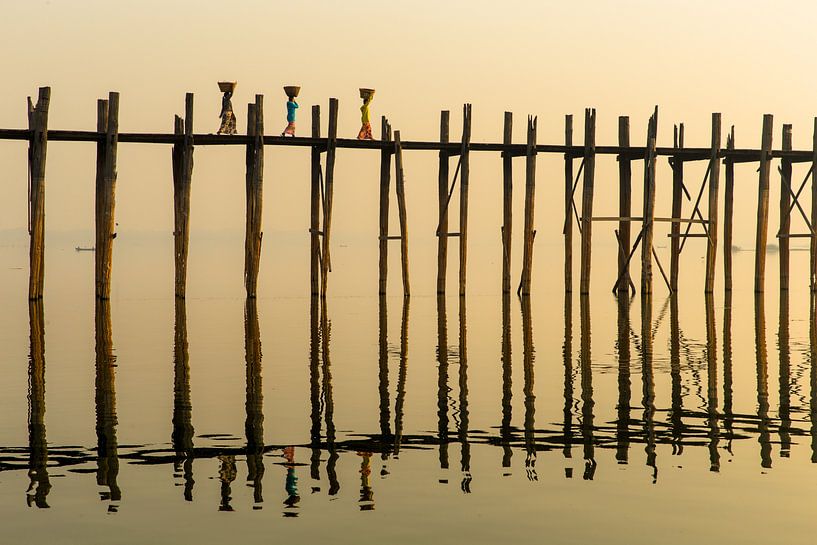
column 763, row 204
column 587, row 196
column 37, row 147
column 464, row 179
column 712, row 212
column 687, row 235
column 728, row 212
column 677, row 206
column 385, row 181
column 182, row 178
column 400, row 188
column 442, row 242
column 255, row 187
column 625, row 195
column 649, row 206
column 568, row 223
column 507, row 203
column 107, row 122
column 315, row 207
column 785, row 210
column 329, row 177
column 530, row 192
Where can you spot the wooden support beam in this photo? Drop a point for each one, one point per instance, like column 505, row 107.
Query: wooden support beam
column 785, row 209
column 442, row 226
column 315, row 207
column 568, row 224
column 385, row 182
column 329, row 177
column 587, row 196
column 507, row 203
column 763, row 204
column 712, row 212
column 677, row 163
column 728, row 212
column 401, row 211
column 530, row 192
column 687, row 235
column 107, row 124
column 182, row 177
column 813, row 245
column 255, row 189
column 649, row 205
column 37, row 147
column 464, row 179
column 625, row 195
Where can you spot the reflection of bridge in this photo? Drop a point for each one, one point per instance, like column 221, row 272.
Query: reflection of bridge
column 713, row 425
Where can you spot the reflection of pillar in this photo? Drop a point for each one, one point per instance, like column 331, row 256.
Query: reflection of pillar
column 812, row 336
column 727, row 370
column 528, row 356
column 182, row 435
column 506, row 434
column 39, row 481
column 105, row 397
column 315, row 387
column 462, row 432
column 647, row 385
column 254, row 404
column 402, row 374
column 676, row 419
column 585, row 363
column 762, row 382
column 442, row 381
column 624, row 388
column 712, row 385
column 383, row 376
column 328, row 402
column 785, row 375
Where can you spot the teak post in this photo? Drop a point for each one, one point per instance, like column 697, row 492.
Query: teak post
column 785, row 203
column 677, row 207
column 108, row 127
column 763, row 203
column 530, row 191
column 401, row 210
column 464, row 177
column 625, row 195
column 182, row 176
column 714, row 183
column 568, row 225
column 507, row 201
column 255, row 187
column 728, row 212
column 649, row 206
column 315, row 207
column 442, row 234
column 587, row 195
column 813, row 238
column 385, row 181
column 328, row 183
column 37, row 146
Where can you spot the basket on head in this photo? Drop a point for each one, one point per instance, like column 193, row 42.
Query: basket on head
column 292, row 90
column 366, row 93
column 227, row 86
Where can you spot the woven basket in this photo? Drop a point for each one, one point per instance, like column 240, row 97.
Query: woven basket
column 366, row 93
column 292, row 90
column 227, row 86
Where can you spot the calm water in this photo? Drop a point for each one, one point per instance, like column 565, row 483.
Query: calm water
column 478, row 420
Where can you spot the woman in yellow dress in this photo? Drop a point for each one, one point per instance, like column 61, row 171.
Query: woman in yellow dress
column 365, row 121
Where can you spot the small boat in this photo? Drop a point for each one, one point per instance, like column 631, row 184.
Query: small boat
column 81, row 249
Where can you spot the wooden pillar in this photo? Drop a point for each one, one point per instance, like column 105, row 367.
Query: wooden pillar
column 255, row 186
column 677, row 206
column 37, row 145
column 328, row 182
column 625, row 196
column 315, row 207
column 728, row 209
column 587, row 195
column 785, row 203
column 649, row 205
column 507, row 201
column 401, row 210
column 182, row 176
column 530, row 191
column 813, row 245
column 385, row 181
column 763, row 204
column 442, row 234
column 568, row 226
column 108, row 127
column 714, row 185
column 464, row 177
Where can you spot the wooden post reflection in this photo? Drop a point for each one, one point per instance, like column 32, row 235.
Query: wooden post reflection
column 728, row 415
column 812, row 335
column 762, row 382
column 585, row 363
column 647, row 384
column 676, row 420
column 328, row 401
column 443, row 390
column 39, row 481
column 383, row 377
column 105, row 398
column 506, row 433
column 402, row 374
column 182, row 435
column 624, row 386
column 528, row 357
column 712, row 385
column 254, row 403
column 785, row 375
column 462, row 431
column 314, row 389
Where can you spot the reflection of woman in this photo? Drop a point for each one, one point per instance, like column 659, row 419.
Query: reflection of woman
column 227, row 115
column 365, row 123
column 291, row 485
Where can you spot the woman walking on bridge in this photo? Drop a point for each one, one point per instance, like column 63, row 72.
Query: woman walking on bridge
column 227, row 116
column 292, row 92
column 365, row 121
